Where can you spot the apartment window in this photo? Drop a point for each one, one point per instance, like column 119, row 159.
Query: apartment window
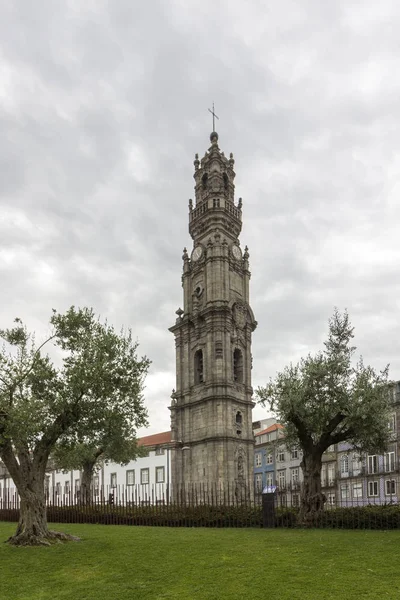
column 77, row 484
column 372, row 488
column 113, row 480
column 160, row 451
column 281, row 456
column 344, row 492
column 269, row 458
column 331, row 474
column 258, row 481
column 295, row 500
column 47, row 483
column 198, row 367
column 344, row 465
column 295, row 476
column 282, row 479
column 356, row 464
column 67, row 488
column 357, row 490
column 331, row 499
column 160, row 475
column 390, row 487
column 283, row 500
column 270, row 479
column 372, row 464
column 258, row 459
column 96, row 485
column 130, row 477
column 144, row 476
column 294, row 454
column 58, row 488
column 392, row 423
column 389, row 462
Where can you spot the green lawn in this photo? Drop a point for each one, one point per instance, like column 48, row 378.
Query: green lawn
column 113, row 562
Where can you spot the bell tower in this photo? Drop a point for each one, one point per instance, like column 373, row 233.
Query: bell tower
column 211, row 408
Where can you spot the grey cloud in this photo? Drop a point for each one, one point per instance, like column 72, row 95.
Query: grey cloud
column 104, row 107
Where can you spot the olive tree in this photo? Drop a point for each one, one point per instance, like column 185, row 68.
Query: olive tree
column 326, row 399
column 84, row 449
column 96, row 372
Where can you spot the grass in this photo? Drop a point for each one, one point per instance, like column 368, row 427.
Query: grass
column 140, row 563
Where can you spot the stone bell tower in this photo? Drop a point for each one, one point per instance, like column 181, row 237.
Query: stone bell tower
column 211, row 409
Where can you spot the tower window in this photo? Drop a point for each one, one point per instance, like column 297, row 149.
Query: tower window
column 198, row 367
column 216, row 202
column 204, row 181
column 238, row 366
column 239, row 421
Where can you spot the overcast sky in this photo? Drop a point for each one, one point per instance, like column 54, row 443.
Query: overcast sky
column 103, row 105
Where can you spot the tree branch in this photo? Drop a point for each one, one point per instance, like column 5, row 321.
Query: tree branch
column 304, row 437
column 326, row 437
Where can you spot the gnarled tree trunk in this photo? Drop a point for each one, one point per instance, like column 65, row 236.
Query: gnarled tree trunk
column 312, row 498
column 86, row 484
column 32, row 527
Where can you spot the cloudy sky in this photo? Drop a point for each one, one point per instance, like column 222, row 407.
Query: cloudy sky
column 103, row 105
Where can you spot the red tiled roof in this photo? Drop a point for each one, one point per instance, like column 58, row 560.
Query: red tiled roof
column 155, row 439
column 273, row 427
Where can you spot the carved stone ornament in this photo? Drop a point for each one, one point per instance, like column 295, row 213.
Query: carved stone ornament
column 240, row 315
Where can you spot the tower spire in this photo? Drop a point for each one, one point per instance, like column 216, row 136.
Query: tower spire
column 214, row 116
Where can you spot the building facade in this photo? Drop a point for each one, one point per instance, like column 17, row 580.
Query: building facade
column 144, row 480
column 348, row 478
column 211, row 409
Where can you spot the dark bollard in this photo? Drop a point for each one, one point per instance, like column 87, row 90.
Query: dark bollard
column 268, row 506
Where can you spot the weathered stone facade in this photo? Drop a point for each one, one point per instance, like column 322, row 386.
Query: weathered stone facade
column 211, row 409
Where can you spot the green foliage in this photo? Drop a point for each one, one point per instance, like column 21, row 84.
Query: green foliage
column 95, row 392
column 373, row 516
column 382, row 517
column 325, row 399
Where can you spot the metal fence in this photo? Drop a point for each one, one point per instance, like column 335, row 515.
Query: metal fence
column 208, row 505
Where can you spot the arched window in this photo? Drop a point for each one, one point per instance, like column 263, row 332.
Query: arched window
column 226, row 181
column 198, row 367
column 204, row 180
column 238, row 366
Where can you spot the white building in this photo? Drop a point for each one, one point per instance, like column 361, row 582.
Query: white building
column 146, row 479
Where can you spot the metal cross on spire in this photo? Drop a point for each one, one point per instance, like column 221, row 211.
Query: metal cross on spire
column 214, row 116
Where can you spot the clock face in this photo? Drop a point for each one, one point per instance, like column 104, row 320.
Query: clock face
column 237, row 253
column 197, row 253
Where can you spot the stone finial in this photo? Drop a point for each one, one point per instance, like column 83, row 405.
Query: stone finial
column 246, row 253
column 231, row 160
column 179, row 312
column 214, row 138
column 240, row 204
column 196, row 161
column 190, row 204
column 185, row 254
